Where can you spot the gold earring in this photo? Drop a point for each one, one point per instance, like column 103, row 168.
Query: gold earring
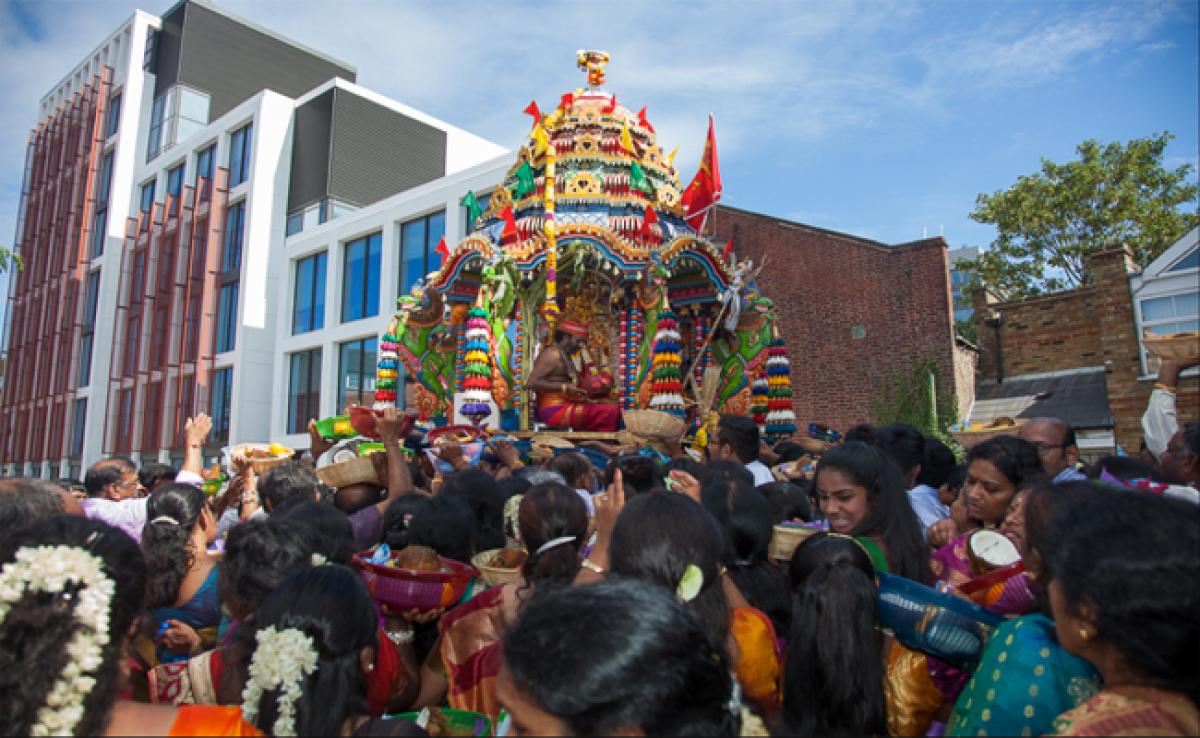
column 1084, row 634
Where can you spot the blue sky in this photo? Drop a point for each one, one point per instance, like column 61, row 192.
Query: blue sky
column 879, row 119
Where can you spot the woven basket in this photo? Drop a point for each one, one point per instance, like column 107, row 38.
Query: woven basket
column 1175, row 347
column 405, row 589
column 785, row 539
column 351, row 471
column 654, row 424
column 494, row 576
column 969, row 438
column 261, row 466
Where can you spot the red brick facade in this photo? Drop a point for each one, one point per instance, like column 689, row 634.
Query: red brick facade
column 849, row 308
column 1089, row 326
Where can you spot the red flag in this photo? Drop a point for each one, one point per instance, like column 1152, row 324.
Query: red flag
column 642, row 119
column 728, row 249
column 649, row 219
column 442, row 249
column 611, row 107
column 705, row 190
column 568, row 99
column 533, row 110
column 510, row 224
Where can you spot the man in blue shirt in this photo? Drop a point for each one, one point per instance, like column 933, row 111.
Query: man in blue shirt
column 1055, row 442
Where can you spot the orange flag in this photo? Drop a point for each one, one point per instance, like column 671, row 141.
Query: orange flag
column 705, row 189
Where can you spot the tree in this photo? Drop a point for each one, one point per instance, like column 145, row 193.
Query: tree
column 9, row 259
column 1050, row 221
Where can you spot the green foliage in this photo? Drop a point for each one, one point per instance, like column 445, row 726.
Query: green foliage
column 966, row 329
column 906, row 399
column 1050, row 221
column 9, row 260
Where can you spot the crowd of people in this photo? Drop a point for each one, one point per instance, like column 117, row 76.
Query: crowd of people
column 651, row 599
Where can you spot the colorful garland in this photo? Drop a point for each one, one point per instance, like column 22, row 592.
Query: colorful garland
column 666, row 394
column 477, row 369
column 759, row 392
column 550, row 306
column 388, row 371
column 781, row 420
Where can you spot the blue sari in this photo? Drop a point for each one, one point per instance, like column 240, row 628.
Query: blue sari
column 1024, row 681
column 201, row 612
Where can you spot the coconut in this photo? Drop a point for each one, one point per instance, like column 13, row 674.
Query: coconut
column 989, row 550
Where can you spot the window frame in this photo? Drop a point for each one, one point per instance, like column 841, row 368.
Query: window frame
column 241, row 142
column 364, row 395
column 372, row 244
column 297, row 421
column 1150, row 363
column 317, row 280
column 220, row 403
column 402, row 285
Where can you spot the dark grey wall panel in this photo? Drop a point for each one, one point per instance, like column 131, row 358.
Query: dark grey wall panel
column 170, row 47
column 233, row 61
column 310, row 152
column 378, row 152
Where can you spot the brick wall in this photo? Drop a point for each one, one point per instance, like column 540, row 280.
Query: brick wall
column 1090, row 326
column 831, row 287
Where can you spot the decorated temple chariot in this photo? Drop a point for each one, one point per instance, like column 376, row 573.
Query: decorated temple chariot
column 585, row 292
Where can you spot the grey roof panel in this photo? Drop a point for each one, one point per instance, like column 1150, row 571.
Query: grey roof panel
column 1079, row 398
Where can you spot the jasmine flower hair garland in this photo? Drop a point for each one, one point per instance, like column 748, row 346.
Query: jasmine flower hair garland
column 282, row 659
column 51, row 569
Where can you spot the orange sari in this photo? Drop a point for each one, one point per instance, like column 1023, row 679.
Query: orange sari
column 208, row 720
column 759, row 669
column 472, row 652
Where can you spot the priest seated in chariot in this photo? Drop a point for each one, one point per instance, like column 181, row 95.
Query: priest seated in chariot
column 573, row 391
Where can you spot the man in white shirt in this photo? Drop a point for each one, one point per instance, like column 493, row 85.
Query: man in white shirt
column 908, row 448
column 738, row 440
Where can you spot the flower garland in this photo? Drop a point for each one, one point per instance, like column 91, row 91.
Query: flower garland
column 282, row 659
column 759, row 390
column 50, row 569
column 781, row 420
column 477, row 372
column 388, row 371
column 667, row 390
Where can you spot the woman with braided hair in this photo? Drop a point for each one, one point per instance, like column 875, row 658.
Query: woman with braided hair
column 70, row 593
column 181, row 576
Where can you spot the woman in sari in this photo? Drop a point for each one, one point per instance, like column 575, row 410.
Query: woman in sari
column 1125, row 589
column 1025, row 678
column 70, row 586
column 861, row 493
column 996, row 470
column 181, row 576
column 671, row 540
column 463, row 668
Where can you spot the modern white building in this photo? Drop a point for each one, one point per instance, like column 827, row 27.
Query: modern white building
column 242, row 218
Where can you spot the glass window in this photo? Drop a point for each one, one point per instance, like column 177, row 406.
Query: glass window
column 418, row 243
column 175, row 180
column 90, row 296
column 112, row 118
column 1191, row 261
column 304, row 390
column 360, row 278
column 295, row 224
column 1166, row 315
column 147, row 198
column 231, row 255
column 239, row 155
column 78, row 426
column 484, row 200
column 227, row 305
column 308, row 305
column 158, row 129
column 100, row 217
column 204, row 163
column 222, row 384
column 356, row 372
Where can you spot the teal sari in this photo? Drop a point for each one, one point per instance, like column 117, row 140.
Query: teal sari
column 1024, row 681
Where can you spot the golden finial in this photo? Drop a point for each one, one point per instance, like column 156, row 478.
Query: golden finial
column 593, row 63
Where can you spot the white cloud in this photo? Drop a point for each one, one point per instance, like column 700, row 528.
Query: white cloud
column 780, row 77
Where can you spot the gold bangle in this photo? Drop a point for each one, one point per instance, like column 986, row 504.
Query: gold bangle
column 592, row 566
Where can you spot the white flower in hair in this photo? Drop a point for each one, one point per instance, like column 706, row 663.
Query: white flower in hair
column 282, row 659
column 51, row 569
